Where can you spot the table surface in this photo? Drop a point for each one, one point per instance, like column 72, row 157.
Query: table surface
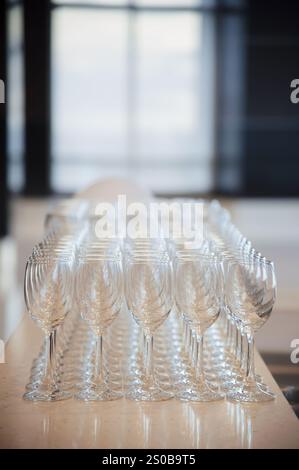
column 125, row 424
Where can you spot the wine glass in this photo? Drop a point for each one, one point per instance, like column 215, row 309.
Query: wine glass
column 198, row 298
column 251, row 293
column 148, row 284
column 99, row 285
column 47, row 297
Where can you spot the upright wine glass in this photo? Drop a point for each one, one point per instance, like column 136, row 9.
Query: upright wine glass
column 47, row 290
column 100, row 296
column 149, row 298
column 251, row 293
column 198, row 298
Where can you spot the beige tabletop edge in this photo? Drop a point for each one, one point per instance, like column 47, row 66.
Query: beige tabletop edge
column 124, row 424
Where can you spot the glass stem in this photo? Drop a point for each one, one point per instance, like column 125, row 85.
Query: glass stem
column 228, row 335
column 51, row 360
column 143, row 348
column 149, row 349
column 244, row 353
column 187, row 339
column 250, row 373
column 240, row 348
column 232, row 339
column 237, row 346
column 194, row 349
column 189, row 344
column 184, row 333
column 99, row 361
column 199, row 360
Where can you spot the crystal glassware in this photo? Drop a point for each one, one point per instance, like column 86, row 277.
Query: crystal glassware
column 198, row 294
column 148, row 284
column 251, row 293
column 99, row 285
column 47, row 296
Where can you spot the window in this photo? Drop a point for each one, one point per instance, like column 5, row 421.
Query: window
column 15, row 97
column 132, row 93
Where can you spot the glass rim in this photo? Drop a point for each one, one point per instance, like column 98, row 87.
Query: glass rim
column 49, row 259
column 247, row 262
column 145, row 256
column 89, row 258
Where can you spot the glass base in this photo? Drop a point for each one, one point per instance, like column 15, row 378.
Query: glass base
column 32, row 386
column 151, row 393
column 250, row 393
column 47, row 395
column 231, row 383
column 98, row 394
column 200, row 392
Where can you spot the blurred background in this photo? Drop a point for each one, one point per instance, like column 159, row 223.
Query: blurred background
column 188, row 97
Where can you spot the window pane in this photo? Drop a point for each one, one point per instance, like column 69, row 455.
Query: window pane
column 176, row 3
column 156, row 3
column 132, row 94
column 91, row 2
column 15, row 99
column 168, row 82
column 88, row 87
column 175, row 99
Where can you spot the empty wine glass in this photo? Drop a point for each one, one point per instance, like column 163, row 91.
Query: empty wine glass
column 149, row 298
column 198, row 297
column 251, row 293
column 47, row 296
column 100, row 295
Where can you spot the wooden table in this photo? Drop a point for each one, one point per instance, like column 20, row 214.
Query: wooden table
column 125, row 424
